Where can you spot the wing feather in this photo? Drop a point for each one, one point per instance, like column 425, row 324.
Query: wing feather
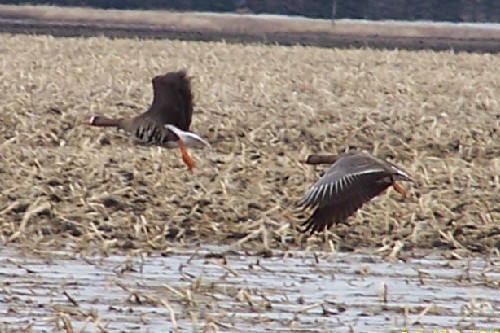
column 342, row 190
column 172, row 100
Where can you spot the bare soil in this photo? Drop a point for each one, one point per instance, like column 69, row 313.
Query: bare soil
column 79, row 22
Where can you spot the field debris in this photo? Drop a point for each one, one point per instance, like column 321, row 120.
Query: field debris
column 265, row 107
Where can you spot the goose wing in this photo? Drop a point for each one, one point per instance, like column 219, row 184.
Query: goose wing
column 351, row 182
column 172, row 100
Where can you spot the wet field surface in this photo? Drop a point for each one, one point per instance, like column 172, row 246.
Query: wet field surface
column 212, row 289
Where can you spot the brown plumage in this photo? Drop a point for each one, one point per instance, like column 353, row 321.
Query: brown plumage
column 172, row 105
column 353, row 180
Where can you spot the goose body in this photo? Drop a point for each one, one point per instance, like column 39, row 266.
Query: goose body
column 167, row 120
column 354, row 179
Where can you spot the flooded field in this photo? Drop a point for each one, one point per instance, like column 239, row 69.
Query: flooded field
column 214, row 289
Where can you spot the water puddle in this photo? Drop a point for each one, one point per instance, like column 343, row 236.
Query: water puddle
column 210, row 290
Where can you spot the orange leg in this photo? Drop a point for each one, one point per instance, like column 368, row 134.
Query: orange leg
column 185, row 156
column 399, row 189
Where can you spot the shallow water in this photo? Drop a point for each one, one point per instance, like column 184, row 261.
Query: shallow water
column 211, row 290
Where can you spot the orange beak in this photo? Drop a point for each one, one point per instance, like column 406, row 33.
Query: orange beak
column 185, row 156
column 399, row 189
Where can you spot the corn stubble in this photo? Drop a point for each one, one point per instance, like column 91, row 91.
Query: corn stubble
column 435, row 114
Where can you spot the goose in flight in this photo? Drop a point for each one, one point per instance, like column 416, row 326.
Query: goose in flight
column 167, row 121
column 354, row 179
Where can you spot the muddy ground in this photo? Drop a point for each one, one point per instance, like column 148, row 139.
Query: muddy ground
column 282, row 38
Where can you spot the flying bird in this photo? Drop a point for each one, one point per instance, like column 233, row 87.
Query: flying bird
column 167, row 121
column 354, row 179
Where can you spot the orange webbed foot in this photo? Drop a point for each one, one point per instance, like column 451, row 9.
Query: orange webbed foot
column 398, row 188
column 185, row 156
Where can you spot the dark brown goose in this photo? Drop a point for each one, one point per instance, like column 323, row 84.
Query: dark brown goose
column 167, row 120
column 354, row 179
